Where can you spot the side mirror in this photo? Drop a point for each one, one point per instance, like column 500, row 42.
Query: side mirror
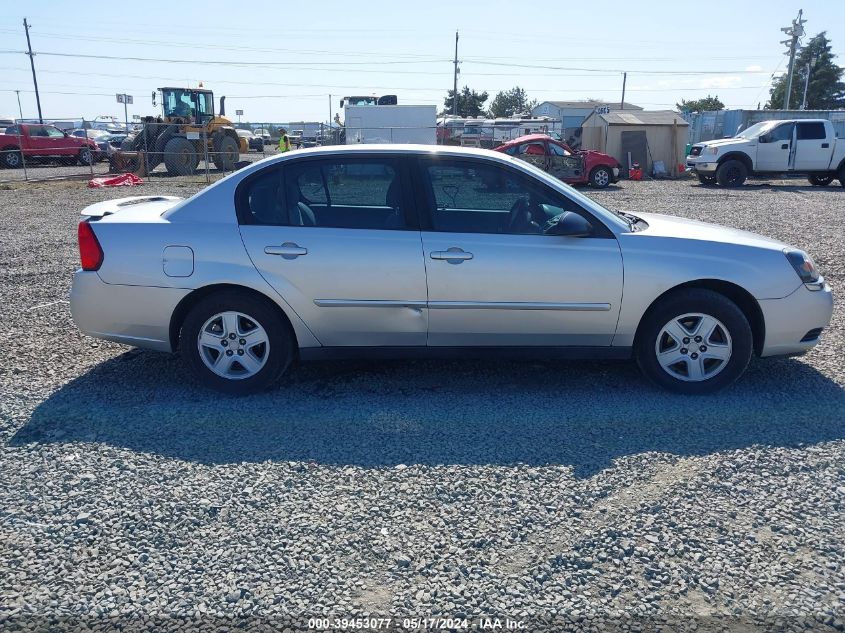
column 764, row 138
column 569, row 224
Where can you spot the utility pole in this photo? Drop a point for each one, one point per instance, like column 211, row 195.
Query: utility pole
column 20, row 109
column 807, row 81
column 795, row 32
column 624, row 81
column 32, row 63
column 455, row 89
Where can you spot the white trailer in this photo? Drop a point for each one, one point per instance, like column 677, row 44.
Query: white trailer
column 391, row 124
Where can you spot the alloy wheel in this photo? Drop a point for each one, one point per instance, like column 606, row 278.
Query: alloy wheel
column 233, row 345
column 693, row 347
column 601, row 178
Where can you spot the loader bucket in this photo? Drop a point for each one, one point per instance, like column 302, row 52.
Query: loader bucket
column 128, row 163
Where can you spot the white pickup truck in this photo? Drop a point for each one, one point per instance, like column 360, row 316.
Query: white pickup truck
column 801, row 146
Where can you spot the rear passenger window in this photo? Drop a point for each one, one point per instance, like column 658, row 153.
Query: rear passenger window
column 263, row 201
column 347, row 193
column 811, row 131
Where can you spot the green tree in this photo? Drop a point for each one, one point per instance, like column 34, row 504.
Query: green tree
column 511, row 102
column 470, row 102
column 826, row 91
column 704, row 104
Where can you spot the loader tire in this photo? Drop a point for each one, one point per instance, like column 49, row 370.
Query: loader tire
column 226, row 152
column 180, row 157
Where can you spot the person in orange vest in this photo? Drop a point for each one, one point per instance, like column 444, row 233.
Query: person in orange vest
column 284, row 141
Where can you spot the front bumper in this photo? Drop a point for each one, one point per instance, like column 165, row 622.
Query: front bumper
column 702, row 165
column 132, row 315
column 790, row 319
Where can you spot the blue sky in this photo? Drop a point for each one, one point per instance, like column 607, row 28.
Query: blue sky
column 281, row 60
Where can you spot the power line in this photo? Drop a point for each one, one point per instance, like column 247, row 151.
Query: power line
column 221, row 62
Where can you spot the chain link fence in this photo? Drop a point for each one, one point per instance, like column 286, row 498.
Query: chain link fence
column 70, row 148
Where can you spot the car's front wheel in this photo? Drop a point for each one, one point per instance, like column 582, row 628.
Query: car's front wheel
column 600, row 177
column 694, row 341
column 85, row 156
column 731, row 173
column 236, row 343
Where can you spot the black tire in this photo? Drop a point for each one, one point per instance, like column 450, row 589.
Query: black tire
column 281, row 341
column 601, row 177
column 12, row 158
column 683, row 302
column 841, row 176
column 226, row 152
column 86, row 156
column 180, row 157
column 732, row 173
column 820, row 180
column 706, row 179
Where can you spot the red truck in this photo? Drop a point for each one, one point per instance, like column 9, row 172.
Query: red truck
column 34, row 140
column 573, row 167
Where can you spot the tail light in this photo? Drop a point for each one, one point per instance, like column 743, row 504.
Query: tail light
column 90, row 252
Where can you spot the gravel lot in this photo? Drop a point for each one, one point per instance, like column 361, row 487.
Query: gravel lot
column 551, row 493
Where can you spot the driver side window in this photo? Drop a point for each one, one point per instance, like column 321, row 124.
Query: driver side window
column 479, row 197
column 781, row 133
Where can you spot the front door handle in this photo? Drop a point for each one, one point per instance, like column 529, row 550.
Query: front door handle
column 453, row 255
column 288, row 250
column 825, row 145
column 785, row 146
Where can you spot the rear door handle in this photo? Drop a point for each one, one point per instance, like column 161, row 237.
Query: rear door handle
column 288, row 250
column 453, row 255
column 825, row 145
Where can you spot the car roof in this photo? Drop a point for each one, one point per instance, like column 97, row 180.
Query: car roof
column 529, row 138
column 391, row 148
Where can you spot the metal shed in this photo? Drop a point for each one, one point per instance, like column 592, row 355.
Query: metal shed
column 647, row 135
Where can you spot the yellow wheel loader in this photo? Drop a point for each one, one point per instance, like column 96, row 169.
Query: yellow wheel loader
column 186, row 130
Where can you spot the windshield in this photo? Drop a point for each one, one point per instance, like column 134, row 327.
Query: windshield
column 757, row 129
column 186, row 103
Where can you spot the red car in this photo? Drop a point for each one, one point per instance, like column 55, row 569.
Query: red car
column 34, row 140
column 572, row 167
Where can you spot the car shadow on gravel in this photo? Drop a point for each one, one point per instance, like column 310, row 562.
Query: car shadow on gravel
column 380, row 414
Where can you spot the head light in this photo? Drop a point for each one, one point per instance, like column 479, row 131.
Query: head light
column 803, row 265
column 713, row 150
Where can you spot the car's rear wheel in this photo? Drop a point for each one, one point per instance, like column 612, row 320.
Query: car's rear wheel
column 820, row 180
column 731, row 173
column 600, row 177
column 706, row 179
column 840, row 175
column 236, row 343
column 694, row 341
column 12, row 158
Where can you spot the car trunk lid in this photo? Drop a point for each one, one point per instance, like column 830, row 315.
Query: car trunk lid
column 132, row 209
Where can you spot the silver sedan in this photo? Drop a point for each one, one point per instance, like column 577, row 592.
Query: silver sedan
column 393, row 251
